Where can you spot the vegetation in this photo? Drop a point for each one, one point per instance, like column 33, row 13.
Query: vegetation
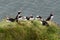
column 29, row 30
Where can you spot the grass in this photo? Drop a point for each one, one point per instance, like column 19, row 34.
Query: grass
column 29, row 30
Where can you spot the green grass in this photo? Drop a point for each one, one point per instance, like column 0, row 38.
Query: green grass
column 29, row 30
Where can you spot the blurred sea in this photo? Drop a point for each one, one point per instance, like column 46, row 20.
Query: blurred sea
column 28, row 7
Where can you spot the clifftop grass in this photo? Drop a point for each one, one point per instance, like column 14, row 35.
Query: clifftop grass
column 29, row 30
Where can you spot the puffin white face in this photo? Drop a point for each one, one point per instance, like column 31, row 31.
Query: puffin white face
column 37, row 16
column 19, row 11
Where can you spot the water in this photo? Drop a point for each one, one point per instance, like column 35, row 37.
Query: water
column 28, row 7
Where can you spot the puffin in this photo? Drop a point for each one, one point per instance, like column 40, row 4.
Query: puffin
column 50, row 17
column 10, row 19
column 25, row 18
column 44, row 23
column 31, row 17
column 38, row 17
column 18, row 16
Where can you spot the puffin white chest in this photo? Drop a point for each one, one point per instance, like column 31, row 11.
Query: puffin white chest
column 31, row 18
column 20, row 18
column 52, row 17
column 19, row 15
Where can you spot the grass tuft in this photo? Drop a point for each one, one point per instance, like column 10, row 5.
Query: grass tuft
column 29, row 30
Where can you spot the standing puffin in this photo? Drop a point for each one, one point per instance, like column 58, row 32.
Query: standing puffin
column 18, row 16
column 31, row 17
column 50, row 17
column 19, row 12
